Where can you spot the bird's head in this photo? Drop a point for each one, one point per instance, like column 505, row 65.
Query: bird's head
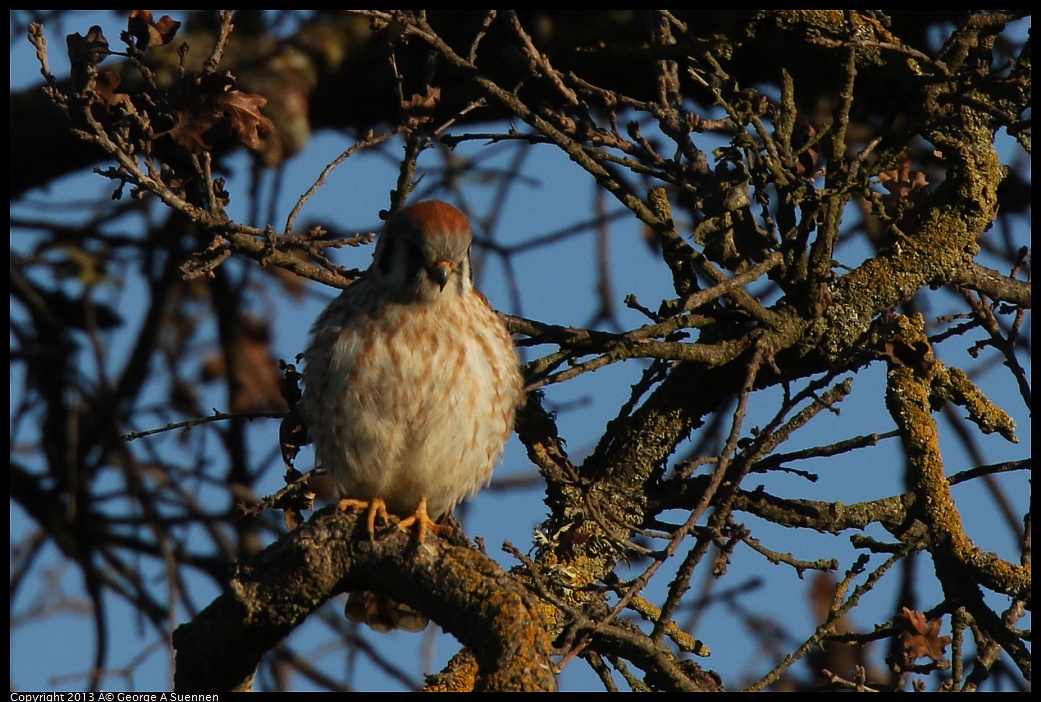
column 423, row 253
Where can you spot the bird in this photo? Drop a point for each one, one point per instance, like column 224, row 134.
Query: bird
column 411, row 382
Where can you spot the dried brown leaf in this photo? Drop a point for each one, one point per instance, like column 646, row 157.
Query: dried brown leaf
column 292, row 434
column 172, row 180
column 806, row 164
column 222, row 196
column 190, row 129
column 290, row 385
column 906, row 187
column 922, row 639
column 147, row 33
column 242, row 110
column 419, row 109
column 917, row 355
column 210, row 111
column 904, row 181
column 105, row 85
column 296, row 498
column 87, row 51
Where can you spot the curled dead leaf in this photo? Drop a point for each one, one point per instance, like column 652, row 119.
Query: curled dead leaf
column 419, row 109
column 295, row 499
column 922, row 638
column 242, row 111
column 85, row 51
column 905, row 186
column 904, row 182
column 105, row 85
column 221, row 194
column 917, row 355
column 806, row 163
column 292, row 434
column 210, row 111
column 146, row 33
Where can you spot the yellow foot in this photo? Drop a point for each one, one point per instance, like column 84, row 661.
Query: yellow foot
column 373, row 508
column 423, row 523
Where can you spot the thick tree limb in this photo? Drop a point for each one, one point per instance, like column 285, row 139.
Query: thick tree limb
column 462, row 589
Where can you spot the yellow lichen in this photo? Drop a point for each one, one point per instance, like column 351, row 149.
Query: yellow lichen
column 908, row 397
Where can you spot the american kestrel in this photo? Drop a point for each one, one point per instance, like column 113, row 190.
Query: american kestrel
column 411, row 382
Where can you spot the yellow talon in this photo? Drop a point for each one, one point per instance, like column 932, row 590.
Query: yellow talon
column 373, row 508
column 423, row 523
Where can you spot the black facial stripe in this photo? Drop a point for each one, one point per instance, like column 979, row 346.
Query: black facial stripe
column 386, row 259
column 414, row 261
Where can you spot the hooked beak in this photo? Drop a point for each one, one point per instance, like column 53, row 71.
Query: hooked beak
column 440, row 271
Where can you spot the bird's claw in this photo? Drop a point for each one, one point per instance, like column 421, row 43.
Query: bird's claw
column 423, row 523
column 374, row 508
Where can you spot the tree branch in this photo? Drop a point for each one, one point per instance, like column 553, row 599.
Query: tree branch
column 460, row 588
